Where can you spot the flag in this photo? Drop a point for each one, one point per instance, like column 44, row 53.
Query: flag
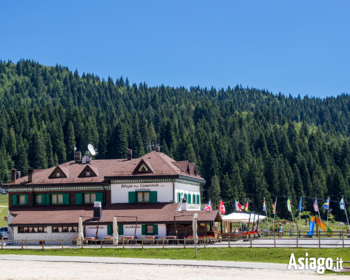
column 326, row 204
column 222, row 209
column 289, row 205
column 342, row 204
column 300, row 206
column 264, row 206
column 238, row 206
column 246, row 205
column 207, row 207
column 274, row 207
column 316, row 205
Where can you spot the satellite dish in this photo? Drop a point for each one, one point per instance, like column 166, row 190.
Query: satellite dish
column 92, row 150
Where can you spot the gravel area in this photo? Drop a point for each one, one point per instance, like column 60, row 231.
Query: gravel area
column 68, row 270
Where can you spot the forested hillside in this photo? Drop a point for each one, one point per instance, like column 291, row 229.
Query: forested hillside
column 246, row 142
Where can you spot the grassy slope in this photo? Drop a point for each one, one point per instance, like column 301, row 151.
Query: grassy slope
column 272, row 255
column 3, row 210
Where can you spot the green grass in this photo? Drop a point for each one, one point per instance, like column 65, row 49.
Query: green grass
column 4, row 199
column 3, row 213
column 271, row 255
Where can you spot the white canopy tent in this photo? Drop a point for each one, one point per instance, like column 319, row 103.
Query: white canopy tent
column 237, row 217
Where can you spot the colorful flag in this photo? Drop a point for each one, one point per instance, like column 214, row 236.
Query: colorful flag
column 289, row 205
column 300, row 206
column 238, row 206
column 274, row 207
column 222, row 209
column 326, row 204
column 264, row 206
column 207, row 207
column 246, row 205
column 316, row 205
column 342, row 204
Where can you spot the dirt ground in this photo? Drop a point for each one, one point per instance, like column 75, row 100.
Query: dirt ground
column 68, row 270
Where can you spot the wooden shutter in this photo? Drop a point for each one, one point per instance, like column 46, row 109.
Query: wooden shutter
column 66, row 198
column 120, row 229
column 153, row 197
column 14, row 199
column 185, row 196
column 26, row 199
column 78, row 198
column 99, row 197
column 144, row 230
column 178, row 197
column 198, row 199
column 43, row 199
column 189, row 198
column 194, row 199
column 48, row 200
column 109, row 230
column 132, row 197
column 155, row 229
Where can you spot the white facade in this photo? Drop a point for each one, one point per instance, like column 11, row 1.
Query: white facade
column 189, row 190
column 120, row 192
column 90, row 231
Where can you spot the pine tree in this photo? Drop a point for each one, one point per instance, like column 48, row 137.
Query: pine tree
column 215, row 193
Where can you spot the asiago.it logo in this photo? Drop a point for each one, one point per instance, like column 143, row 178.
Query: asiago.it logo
column 319, row 264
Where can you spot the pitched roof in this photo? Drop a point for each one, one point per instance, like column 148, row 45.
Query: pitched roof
column 146, row 213
column 160, row 163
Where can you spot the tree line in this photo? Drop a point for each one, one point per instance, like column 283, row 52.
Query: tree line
column 246, row 142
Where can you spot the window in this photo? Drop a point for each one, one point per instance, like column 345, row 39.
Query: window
column 143, row 169
column 32, row 229
column 38, row 199
column 185, row 196
column 21, row 199
column 149, row 230
column 178, row 197
column 142, row 196
column 87, row 173
column 57, row 198
column 198, row 199
column 64, row 229
column 89, row 197
column 194, row 199
column 189, row 198
column 58, row 174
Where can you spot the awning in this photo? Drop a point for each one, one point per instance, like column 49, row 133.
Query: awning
column 241, row 217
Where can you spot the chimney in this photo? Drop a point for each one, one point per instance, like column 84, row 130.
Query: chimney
column 30, row 174
column 18, row 174
column 184, row 205
column 98, row 210
column 77, row 157
column 13, row 175
column 129, row 154
column 157, row 149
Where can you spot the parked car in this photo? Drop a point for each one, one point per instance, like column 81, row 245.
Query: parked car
column 3, row 232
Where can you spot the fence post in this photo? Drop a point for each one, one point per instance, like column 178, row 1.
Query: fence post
column 185, row 242
column 101, row 242
column 42, row 244
column 62, row 244
column 2, row 243
column 229, row 244
column 319, row 239
column 82, row 244
column 205, row 241
column 163, row 242
column 297, row 241
column 251, row 243
column 22, row 244
column 274, row 240
column 342, row 236
column 123, row 242
column 142, row 242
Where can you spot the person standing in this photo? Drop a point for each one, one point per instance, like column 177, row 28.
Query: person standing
column 280, row 230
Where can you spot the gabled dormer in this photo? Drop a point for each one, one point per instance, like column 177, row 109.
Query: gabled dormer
column 143, row 167
column 89, row 171
column 59, row 172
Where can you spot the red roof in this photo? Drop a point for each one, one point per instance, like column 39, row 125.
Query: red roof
column 161, row 164
column 146, row 213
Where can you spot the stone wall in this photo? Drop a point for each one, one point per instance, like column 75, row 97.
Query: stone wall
column 48, row 236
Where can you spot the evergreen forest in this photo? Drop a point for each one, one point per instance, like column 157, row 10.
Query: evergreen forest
column 246, row 142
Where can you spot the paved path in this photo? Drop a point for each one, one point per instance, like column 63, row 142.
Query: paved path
column 140, row 261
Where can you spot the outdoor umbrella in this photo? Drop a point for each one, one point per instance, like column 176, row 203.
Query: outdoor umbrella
column 115, row 231
column 81, row 233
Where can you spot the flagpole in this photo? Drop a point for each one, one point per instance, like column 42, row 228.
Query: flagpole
column 318, row 208
column 274, row 215
column 328, row 209
column 268, row 228
column 291, row 210
column 300, row 203
column 346, row 213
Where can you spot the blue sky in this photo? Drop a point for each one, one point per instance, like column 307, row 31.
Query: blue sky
column 293, row 47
